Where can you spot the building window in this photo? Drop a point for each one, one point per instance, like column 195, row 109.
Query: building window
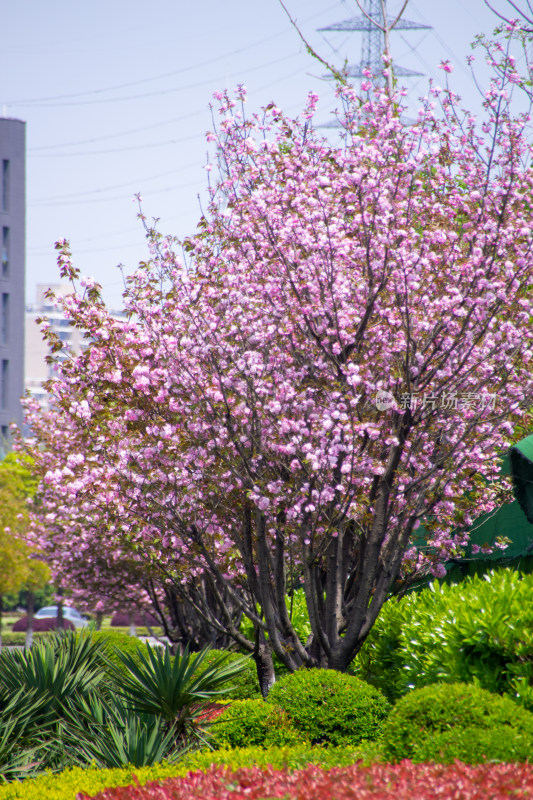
column 4, row 440
column 4, row 331
column 5, row 252
column 5, row 185
column 4, row 385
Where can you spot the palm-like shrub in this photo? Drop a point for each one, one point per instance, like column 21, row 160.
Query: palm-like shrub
column 42, row 688
column 174, row 689
column 17, row 759
column 65, row 703
column 115, row 736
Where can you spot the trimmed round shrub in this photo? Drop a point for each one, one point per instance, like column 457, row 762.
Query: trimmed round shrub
column 245, row 685
column 329, row 707
column 444, row 722
column 253, row 723
column 44, row 624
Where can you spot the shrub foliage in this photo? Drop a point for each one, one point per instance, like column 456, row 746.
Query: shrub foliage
column 444, row 722
column 328, row 707
column 44, row 624
column 478, row 631
column 249, row 723
column 382, row 782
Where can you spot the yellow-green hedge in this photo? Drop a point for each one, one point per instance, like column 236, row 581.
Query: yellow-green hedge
column 65, row 785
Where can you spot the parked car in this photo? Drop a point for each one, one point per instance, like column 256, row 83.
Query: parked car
column 68, row 613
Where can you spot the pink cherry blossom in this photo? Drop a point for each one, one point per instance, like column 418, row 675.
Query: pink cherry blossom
column 224, row 443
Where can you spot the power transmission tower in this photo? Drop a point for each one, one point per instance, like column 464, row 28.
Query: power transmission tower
column 373, row 44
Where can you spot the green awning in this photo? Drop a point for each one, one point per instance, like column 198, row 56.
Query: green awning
column 521, row 456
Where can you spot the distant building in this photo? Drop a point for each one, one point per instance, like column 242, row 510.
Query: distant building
column 37, row 371
column 12, row 267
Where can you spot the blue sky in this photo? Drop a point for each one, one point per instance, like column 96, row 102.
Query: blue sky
column 116, row 98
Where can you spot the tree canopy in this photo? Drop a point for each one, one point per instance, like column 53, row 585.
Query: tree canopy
column 341, row 352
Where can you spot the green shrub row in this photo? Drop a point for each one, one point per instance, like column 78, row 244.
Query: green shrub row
column 65, row 785
column 11, row 638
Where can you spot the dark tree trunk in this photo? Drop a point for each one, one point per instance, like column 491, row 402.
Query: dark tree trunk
column 265, row 668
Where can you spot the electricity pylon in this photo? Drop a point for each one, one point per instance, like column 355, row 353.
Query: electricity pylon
column 374, row 41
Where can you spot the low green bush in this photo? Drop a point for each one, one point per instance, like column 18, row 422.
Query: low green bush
column 18, row 639
column 329, row 707
column 140, row 630
column 444, row 722
column 291, row 758
column 250, row 723
column 244, row 686
column 66, row 785
column 111, row 639
column 478, row 631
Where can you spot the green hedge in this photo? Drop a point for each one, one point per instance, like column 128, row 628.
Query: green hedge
column 479, row 631
column 117, row 639
column 18, row 638
column 445, row 722
column 65, row 785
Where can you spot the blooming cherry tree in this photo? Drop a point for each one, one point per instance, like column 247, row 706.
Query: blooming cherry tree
column 339, row 354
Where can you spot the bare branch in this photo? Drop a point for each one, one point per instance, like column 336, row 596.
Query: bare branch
column 335, row 72
column 518, row 10
column 396, row 21
column 371, row 19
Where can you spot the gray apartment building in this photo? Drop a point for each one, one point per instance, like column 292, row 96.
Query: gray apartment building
column 12, row 246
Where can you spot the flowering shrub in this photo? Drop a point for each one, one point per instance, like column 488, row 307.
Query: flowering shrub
column 44, row 624
column 405, row 781
column 122, row 620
